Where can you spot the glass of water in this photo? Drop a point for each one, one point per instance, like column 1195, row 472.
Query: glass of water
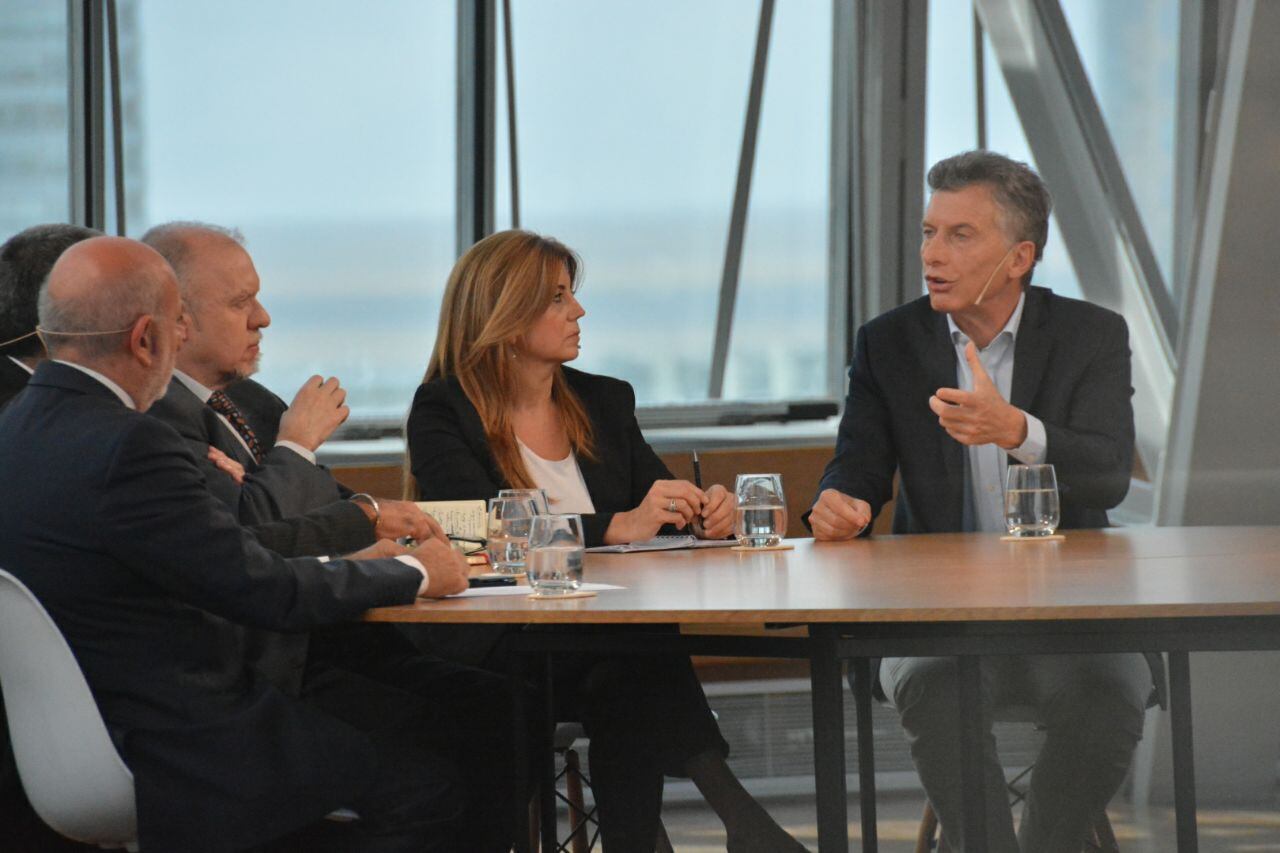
column 539, row 497
column 1031, row 500
column 761, row 519
column 508, row 533
column 556, row 549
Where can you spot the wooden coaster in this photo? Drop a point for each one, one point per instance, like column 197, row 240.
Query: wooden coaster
column 747, row 549
column 1055, row 537
column 561, row 596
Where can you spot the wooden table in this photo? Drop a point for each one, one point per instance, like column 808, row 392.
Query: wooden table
column 1141, row 589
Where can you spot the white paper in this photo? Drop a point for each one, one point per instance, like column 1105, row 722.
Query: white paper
column 459, row 518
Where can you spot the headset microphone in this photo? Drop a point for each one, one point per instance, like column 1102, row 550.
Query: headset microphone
column 992, row 277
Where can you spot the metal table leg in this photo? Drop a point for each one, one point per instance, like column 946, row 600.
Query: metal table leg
column 520, row 710
column 1184, row 771
column 866, row 753
column 828, row 743
column 547, row 759
column 971, row 769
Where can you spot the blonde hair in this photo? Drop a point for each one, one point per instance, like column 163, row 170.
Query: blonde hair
column 496, row 292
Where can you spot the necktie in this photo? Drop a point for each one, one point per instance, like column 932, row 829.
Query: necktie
column 222, row 404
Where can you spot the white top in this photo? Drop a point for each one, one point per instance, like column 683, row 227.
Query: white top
column 561, row 479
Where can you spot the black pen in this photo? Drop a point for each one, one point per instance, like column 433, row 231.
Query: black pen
column 696, row 524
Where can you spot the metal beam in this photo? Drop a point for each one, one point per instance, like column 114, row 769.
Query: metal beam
column 843, row 218
column 1095, row 209
column 87, row 137
column 891, row 48
column 741, row 202
column 475, row 174
column 513, row 150
column 1197, row 65
column 1223, row 459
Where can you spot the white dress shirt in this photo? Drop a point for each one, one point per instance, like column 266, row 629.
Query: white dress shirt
column 988, row 462
column 561, row 479
column 111, row 385
column 24, row 366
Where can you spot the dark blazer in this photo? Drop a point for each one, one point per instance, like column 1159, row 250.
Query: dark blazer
column 1070, row 370
column 449, row 452
column 107, row 518
column 12, row 379
column 284, row 487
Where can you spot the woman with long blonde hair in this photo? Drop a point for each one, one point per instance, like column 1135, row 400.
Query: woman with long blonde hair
column 498, row 409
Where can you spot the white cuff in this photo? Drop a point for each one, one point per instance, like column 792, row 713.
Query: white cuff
column 1032, row 451
column 298, row 449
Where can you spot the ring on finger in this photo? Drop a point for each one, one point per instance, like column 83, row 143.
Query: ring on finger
column 671, row 505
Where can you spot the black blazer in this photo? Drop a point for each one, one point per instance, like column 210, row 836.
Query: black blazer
column 106, row 517
column 1071, row 370
column 449, row 452
column 294, row 507
column 12, row 379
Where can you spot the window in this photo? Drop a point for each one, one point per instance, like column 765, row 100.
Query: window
column 630, row 122
column 325, row 132
column 34, row 174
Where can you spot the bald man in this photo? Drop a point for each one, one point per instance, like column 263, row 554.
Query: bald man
column 108, row 521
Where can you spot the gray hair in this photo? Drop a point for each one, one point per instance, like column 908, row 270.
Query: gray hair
column 25, row 261
column 1019, row 193
column 92, row 325
column 173, row 241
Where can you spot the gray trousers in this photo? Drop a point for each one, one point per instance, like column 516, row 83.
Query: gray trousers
column 1091, row 706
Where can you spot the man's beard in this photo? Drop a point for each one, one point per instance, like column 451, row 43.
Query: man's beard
column 238, row 373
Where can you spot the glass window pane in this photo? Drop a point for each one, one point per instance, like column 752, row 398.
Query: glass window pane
column 1137, row 92
column 34, row 160
column 325, row 132
column 951, row 121
column 778, row 349
column 630, row 125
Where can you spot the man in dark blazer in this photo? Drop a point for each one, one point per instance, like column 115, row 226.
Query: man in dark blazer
column 262, row 461
column 25, row 260
column 947, row 391
column 107, row 519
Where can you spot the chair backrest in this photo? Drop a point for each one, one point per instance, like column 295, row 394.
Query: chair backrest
column 69, row 767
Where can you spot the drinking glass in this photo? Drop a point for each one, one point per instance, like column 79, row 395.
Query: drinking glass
column 1031, row 500
column 761, row 518
column 539, row 497
column 508, row 533
column 556, row 549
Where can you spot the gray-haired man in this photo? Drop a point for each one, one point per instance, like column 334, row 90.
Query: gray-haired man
column 944, row 391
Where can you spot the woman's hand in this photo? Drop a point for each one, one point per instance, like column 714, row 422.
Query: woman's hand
column 717, row 513
column 675, row 502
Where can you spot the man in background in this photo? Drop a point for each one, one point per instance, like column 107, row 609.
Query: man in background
column 25, row 261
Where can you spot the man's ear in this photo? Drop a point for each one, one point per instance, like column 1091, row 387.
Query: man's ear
column 143, row 343
column 1024, row 256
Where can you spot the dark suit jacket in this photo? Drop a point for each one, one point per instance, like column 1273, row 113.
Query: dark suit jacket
column 284, row 486
column 107, row 518
column 12, row 379
column 1070, row 370
column 449, row 453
